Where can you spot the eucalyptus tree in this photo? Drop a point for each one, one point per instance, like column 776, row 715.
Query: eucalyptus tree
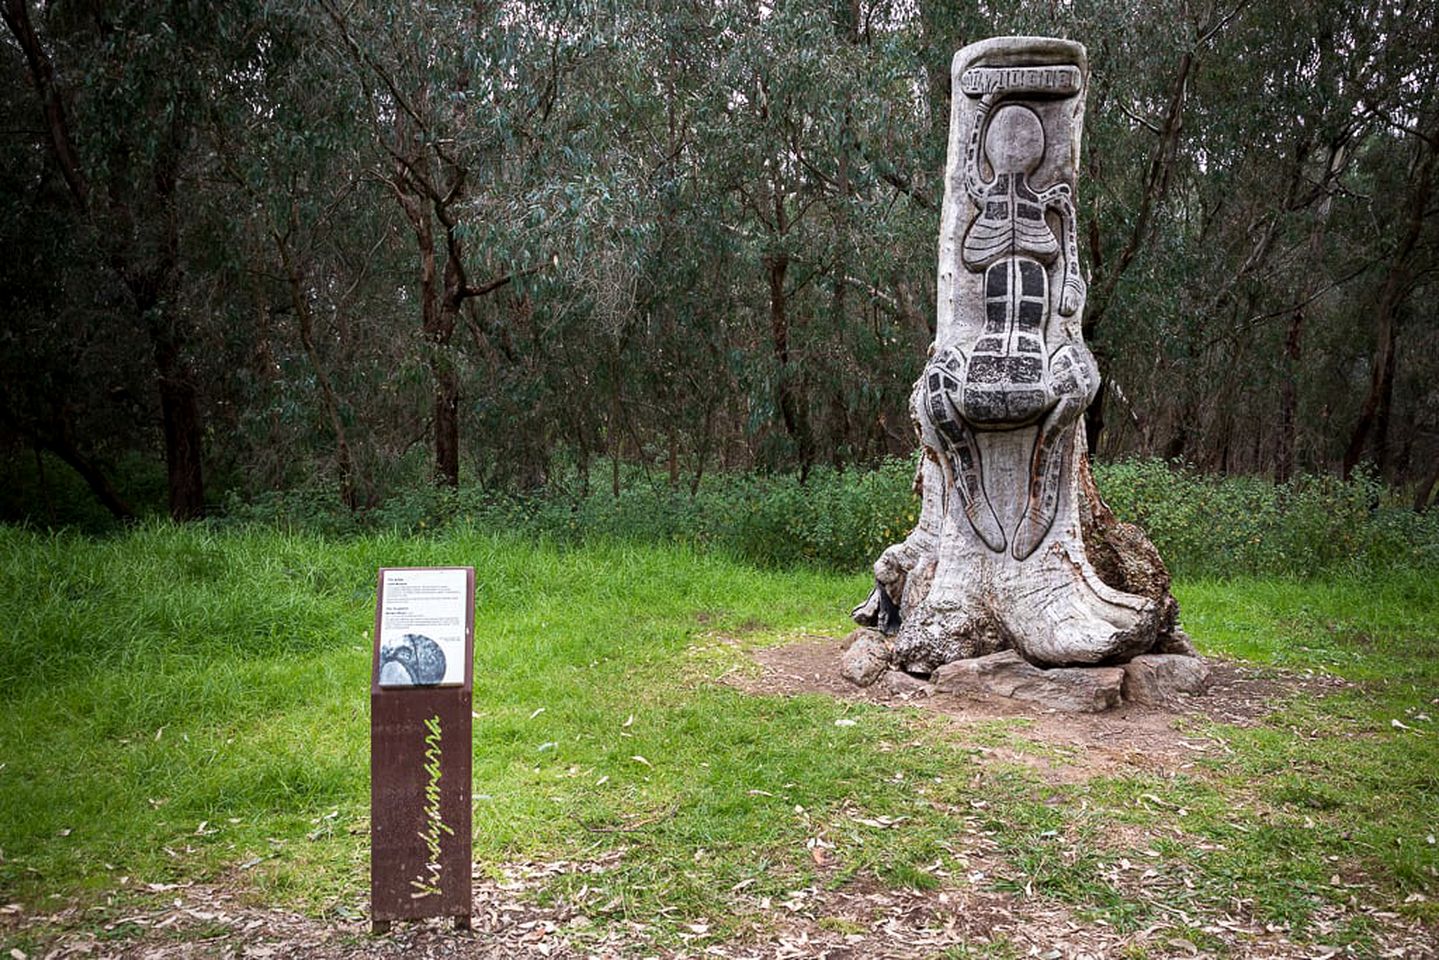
column 329, row 236
column 327, row 391
column 1401, row 94
column 459, row 100
column 123, row 97
column 810, row 135
column 59, row 366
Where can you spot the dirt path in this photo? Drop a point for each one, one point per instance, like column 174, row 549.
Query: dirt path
column 859, row 920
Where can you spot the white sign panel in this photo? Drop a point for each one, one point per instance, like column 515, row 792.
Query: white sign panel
column 422, row 627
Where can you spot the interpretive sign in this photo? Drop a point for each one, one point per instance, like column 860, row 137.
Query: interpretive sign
column 421, row 692
column 423, row 623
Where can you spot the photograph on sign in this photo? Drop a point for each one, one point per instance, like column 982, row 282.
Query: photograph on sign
column 422, row 628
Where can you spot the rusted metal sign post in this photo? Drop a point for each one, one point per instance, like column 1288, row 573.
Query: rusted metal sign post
column 421, row 686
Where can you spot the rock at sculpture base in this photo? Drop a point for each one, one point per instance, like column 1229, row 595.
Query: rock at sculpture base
column 866, row 658
column 1007, row 674
column 1177, row 643
column 906, row 686
column 1164, row 680
column 1161, row 680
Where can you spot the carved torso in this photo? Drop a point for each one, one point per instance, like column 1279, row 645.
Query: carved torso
column 1010, row 224
column 1010, row 375
column 1006, row 378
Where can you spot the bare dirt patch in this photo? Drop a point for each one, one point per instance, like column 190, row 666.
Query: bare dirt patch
column 1078, row 746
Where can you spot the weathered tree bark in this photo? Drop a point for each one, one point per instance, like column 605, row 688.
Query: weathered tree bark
column 1014, row 548
column 443, row 292
column 180, row 414
column 788, row 396
column 1289, row 397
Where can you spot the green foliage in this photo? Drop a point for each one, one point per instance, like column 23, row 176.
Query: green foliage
column 686, row 232
column 1204, row 526
column 1234, row 526
column 836, row 519
column 45, row 490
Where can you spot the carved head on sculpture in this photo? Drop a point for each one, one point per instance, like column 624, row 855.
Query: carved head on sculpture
column 1014, row 142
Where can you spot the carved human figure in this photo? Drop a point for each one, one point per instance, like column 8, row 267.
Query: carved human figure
column 1001, row 555
column 1013, row 374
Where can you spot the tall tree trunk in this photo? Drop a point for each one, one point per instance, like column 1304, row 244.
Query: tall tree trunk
column 437, row 321
column 1423, row 495
column 616, row 435
column 152, row 288
column 42, row 74
column 155, row 291
column 180, row 413
column 839, row 304
column 453, row 294
column 673, row 440
column 447, row 424
column 704, row 451
column 1397, row 284
column 344, row 462
column 1289, row 398
column 1384, row 416
column 786, row 388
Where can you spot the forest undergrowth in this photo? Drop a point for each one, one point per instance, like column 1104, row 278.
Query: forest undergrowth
column 1204, row 525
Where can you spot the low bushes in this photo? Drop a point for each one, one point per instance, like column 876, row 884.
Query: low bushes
column 1203, row 525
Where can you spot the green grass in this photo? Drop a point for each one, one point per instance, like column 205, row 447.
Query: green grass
column 185, row 703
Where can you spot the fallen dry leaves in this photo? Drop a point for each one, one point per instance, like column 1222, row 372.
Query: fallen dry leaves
column 860, row 919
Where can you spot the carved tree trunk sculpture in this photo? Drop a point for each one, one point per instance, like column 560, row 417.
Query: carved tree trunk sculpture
column 1014, row 548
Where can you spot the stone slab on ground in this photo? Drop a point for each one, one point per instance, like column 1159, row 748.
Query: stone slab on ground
column 866, row 658
column 1007, row 674
column 1164, row 679
column 906, row 686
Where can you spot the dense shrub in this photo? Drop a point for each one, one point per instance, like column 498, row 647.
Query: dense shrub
column 1224, row 526
column 1203, row 525
column 839, row 519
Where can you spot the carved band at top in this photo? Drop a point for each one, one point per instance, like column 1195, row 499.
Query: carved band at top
column 1056, row 80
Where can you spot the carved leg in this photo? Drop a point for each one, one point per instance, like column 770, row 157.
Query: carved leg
column 1074, row 378
column 945, row 431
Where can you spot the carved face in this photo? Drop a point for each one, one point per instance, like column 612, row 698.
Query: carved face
column 1014, row 141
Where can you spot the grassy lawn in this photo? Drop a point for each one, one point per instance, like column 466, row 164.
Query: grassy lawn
column 187, row 705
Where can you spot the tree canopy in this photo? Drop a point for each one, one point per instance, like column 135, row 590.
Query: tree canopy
column 259, row 245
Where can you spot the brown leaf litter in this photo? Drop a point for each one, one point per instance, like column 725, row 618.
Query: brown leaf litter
column 859, row 919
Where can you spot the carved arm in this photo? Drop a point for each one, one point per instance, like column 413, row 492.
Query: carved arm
column 973, row 182
column 1072, row 298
